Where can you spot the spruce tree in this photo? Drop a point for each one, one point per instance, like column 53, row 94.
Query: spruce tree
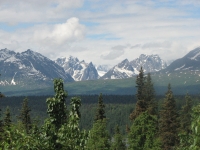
column 168, row 122
column 141, row 104
column 24, row 115
column 186, row 116
column 143, row 133
column 118, row 143
column 185, row 124
column 150, row 96
column 100, row 112
column 98, row 138
column 7, row 118
column 140, row 85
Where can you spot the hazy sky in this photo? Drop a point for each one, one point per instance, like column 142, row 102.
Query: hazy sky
column 101, row 31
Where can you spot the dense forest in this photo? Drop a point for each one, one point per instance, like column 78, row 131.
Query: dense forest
column 144, row 121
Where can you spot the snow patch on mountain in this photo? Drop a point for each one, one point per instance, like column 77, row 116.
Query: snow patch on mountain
column 195, row 56
column 180, row 68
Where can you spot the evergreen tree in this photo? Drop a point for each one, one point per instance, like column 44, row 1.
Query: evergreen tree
column 141, row 104
column 150, row 96
column 143, row 133
column 100, row 113
column 140, row 85
column 57, row 110
column 195, row 126
column 24, row 115
column 7, row 118
column 70, row 135
column 168, row 122
column 118, row 143
column 98, row 136
column 185, row 117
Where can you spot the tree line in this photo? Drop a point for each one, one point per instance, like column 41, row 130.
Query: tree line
column 150, row 127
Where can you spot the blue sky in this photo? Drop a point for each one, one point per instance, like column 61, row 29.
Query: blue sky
column 101, row 31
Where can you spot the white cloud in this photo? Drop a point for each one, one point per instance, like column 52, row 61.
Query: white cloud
column 60, row 34
column 160, row 27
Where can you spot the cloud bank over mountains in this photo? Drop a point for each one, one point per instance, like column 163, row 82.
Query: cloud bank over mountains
column 104, row 33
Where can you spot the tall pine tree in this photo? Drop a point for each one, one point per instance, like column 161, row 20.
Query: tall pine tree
column 24, row 115
column 186, row 116
column 141, row 104
column 98, row 136
column 168, row 122
column 100, row 112
column 152, row 105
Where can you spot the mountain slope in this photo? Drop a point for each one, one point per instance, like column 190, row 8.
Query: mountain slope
column 190, row 61
column 29, row 66
column 79, row 70
column 126, row 69
column 149, row 63
column 120, row 71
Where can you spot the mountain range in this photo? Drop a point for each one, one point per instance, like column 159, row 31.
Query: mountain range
column 126, row 69
column 32, row 70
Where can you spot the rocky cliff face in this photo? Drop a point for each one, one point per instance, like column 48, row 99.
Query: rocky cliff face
column 79, row 70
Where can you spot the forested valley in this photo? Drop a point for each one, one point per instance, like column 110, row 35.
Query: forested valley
column 144, row 121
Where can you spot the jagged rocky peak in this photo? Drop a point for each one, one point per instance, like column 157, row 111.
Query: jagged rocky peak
column 150, row 63
column 79, row 70
column 120, row 71
column 6, row 53
column 125, row 64
column 73, row 59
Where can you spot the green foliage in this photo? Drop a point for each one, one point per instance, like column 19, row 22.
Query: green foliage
column 140, row 85
column 152, row 105
column 25, row 115
column 7, row 118
column 98, row 136
column 69, row 135
column 118, row 143
column 17, row 138
column 57, row 108
column 185, row 116
column 145, row 96
column 100, row 109
column 143, row 133
column 195, row 126
column 168, row 123
column 141, row 105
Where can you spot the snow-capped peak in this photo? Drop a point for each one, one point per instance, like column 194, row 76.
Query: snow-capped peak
column 79, row 70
